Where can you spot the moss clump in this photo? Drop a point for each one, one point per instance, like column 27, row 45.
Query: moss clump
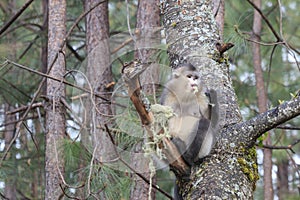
column 249, row 164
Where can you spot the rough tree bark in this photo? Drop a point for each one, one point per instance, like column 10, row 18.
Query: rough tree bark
column 55, row 110
column 100, row 77
column 10, row 190
column 262, row 100
column 230, row 172
column 219, row 13
column 282, row 178
column 147, row 40
column 44, row 46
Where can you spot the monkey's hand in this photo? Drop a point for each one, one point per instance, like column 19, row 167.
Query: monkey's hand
column 214, row 108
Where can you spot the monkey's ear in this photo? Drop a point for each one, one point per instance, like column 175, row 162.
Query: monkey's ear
column 177, row 72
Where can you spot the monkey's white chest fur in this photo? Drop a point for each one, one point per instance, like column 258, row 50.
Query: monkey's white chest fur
column 181, row 125
column 185, row 125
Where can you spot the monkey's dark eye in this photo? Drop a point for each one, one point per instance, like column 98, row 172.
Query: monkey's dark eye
column 189, row 75
column 196, row 77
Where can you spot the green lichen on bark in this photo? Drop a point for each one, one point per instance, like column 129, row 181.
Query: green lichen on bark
column 248, row 164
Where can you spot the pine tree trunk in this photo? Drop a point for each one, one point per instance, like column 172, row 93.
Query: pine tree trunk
column 262, row 101
column 219, row 13
column 10, row 190
column 282, row 179
column 147, row 41
column 55, row 111
column 44, row 47
column 100, row 77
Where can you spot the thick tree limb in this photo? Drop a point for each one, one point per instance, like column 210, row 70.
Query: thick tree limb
column 258, row 125
column 274, row 117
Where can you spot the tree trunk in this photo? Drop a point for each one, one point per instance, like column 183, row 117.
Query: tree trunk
column 10, row 190
column 219, row 13
column 148, row 22
column 282, row 179
column 100, row 77
column 262, row 101
column 55, row 111
column 44, row 46
column 147, row 42
column 192, row 34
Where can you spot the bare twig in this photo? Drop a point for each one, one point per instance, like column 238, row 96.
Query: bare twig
column 22, row 108
column 32, row 137
column 4, row 197
column 64, row 102
column 13, row 18
column 288, row 147
column 81, row 17
column 80, row 58
column 65, row 194
column 90, row 171
column 236, row 29
column 16, row 121
column 122, row 45
column 54, row 78
column 12, row 92
column 288, row 128
column 28, row 47
column 266, row 20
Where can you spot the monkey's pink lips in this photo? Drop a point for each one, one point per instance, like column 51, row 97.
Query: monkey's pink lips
column 194, row 88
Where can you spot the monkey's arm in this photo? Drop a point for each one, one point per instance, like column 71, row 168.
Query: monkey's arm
column 206, row 132
column 191, row 153
column 214, row 108
column 207, row 139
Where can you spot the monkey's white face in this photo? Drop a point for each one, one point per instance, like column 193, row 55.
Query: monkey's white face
column 193, row 82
